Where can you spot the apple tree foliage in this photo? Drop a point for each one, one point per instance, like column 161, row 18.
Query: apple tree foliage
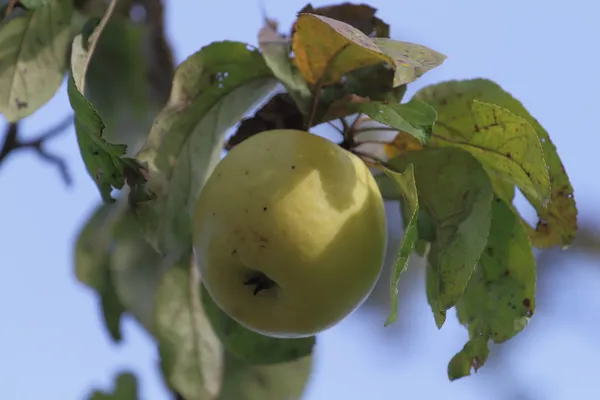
column 150, row 134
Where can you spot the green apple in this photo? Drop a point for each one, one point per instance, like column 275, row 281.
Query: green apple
column 289, row 233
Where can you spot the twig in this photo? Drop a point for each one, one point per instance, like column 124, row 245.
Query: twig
column 12, row 143
column 11, row 5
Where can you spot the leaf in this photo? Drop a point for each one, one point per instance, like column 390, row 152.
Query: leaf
column 360, row 16
column 402, row 144
column 280, row 112
column 119, row 83
column 92, row 265
column 249, row 346
column 415, row 117
column 406, row 183
column 326, row 49
column 125, row 388
column 500, row 298
column 33, row 58
column 211, row 91
column 283, row 381
column 411, row 60
column 558, row 220
column 456, row 193
column 32, row 4
column 103, row 160
column 473, row 355
column 276, row 50
column 191, row 354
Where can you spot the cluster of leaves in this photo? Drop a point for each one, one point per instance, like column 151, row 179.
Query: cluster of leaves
column 151, row 137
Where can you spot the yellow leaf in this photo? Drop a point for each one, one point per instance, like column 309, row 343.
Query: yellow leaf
column 402, row 144
column 325, row 49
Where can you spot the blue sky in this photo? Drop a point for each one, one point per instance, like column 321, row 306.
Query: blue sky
column 52, row 341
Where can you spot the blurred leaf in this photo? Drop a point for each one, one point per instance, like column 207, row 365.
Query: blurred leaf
column 125, row 388
column 249, row 346
column 558, row 221
column 360, row 16
column 326, row 49
column 102, row 159
column 32, row 4
column 500, row 298
column 406, row 183
column 92, row 265
column 283, row 381
column 119, row 84
column 456, row 193
column 473, row 355
column 191, row 354
column 411, row 60
column 276, row 50
column 415, row 117
column 280, row 112
column 402, row 144
column 33, row 58
column 211, row 91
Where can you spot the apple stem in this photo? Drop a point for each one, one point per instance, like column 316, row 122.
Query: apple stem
column 260, row 281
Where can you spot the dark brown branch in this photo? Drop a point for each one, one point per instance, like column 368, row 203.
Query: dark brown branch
column 12, row 143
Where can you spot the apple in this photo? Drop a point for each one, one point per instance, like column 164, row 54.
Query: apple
column 289, row 233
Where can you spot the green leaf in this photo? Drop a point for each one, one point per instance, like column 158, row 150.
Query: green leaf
column 406, row 183
column 32, row 4
column 283, row 381
column 249, row 346
column 119, row 83
column 103, row 160
column 211, row 91
column 92, row 265
column 411, row 60
column 415, row 117
column 191, row 354
column 500, row 297
column 473, row 355
column 276, row 51
column 456, row 193
column 558, row 220
column 33, row 58
column 125, row 388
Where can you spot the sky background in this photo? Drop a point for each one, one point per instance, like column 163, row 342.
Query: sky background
column 52, row 341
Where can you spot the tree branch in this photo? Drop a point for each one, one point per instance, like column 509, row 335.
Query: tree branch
column 12, row 143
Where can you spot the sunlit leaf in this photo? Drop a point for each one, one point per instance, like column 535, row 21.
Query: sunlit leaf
column 456, row 193
column 283, row 381
column 191, row 354
column 252, row 347
column 558, row 221
column 411, row 60
column 415, row 117
column 406, row 183
column 33, row 57
column 211, row 91
column 500, row 298
column 325, row 49
column 125, row 388
column 276, row 51
column 473, row 355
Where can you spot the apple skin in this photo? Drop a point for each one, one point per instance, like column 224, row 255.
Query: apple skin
column 304, row 212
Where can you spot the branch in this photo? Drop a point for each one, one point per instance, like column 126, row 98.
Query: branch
column 12, row 143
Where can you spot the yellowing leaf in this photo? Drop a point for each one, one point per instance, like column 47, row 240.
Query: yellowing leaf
column 558, row 220
column 411, row 60
column 402, row 144
column 456, row 193
column 500, row 297
column 325, row 49
column 407, row 186
column 33, row 57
